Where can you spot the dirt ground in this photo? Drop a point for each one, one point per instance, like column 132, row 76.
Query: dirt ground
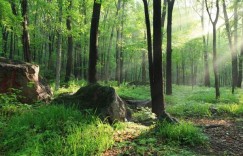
column 225, row 135
column 225, row 138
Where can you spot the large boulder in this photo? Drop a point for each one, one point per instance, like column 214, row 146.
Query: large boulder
column 24, row 77
column 102, row 99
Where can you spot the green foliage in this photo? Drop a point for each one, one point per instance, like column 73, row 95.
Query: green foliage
column 190, row 109
column 70, row 87
column 133, row 92
column 231, row 109
column 183, row 133
column 207, row 95
column 143, row 115
column 56, row 130
column 10, row 105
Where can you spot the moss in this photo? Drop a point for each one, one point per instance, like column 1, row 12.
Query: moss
column 92, row 96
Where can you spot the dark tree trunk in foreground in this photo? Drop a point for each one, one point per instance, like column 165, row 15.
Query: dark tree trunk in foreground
column 25, row 35
column 69, row 64
column 150, row 53
column 215, row 66
column 155, row 61
column 93, row 51
column 158, row 106
column 169, row 48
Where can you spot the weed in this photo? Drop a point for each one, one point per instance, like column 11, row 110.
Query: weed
column 56, row 130
column 230, row 109
column 190, row 109
column 182, row 133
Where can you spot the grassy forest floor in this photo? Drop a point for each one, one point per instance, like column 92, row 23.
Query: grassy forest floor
column 207, row 126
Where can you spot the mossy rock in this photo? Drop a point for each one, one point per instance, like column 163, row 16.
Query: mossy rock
column 102, row 99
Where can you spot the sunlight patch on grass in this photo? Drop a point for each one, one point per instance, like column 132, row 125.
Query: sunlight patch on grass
column 183, row 133
column 231, row 109
column 191, row 109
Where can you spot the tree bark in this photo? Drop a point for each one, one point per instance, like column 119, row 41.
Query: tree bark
column 240, row 62
column 205, row 49
column 69, row 64
column 107, row 65
column 158, row 106
column 25, row 35
column 169, row 48
column 59, row 46
column 118, row 46
column 93, row 50
column 232, row 49
column 215, row 66
column 149, row 46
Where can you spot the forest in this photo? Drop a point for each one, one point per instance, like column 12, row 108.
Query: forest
column 121, row 77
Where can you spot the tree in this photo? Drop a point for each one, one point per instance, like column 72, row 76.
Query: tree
column 233, row 50
column 93, row 51
column 149, row 46
column 158, row 106
column 155, row 58
column 205, row 49
column 169, row 48
column 25, row 35
column 59, row 46
column 240, row 63
column 118, row 45
column 69, row 64
column 215, row 66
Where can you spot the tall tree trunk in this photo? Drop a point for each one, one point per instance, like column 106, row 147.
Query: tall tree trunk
column 240, row 62
column 150, row 55
column 13, row 35
column 69, row 64
column 205, row 50
column 4, row 40
column 25, row 35
column 59, row 46
column 169, row 48
column 107, row 65
column 84, row 6
column 118, row 46
column 158, row 106
column 232, row 49
column 215, row 66
column 163, row 17
column 93, row 50
column 144, row 66
column 121, row 47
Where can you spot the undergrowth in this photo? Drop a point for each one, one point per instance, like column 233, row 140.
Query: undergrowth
column 56, row 130
column 184, row 133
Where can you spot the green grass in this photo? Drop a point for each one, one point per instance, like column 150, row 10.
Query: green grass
column 231, row 109
column 70, row 87
column 184, row 133
column 191, row 109
column 132, row 92
column 56, row 130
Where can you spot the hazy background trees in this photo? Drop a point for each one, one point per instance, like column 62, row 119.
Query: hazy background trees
column 59, row 39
